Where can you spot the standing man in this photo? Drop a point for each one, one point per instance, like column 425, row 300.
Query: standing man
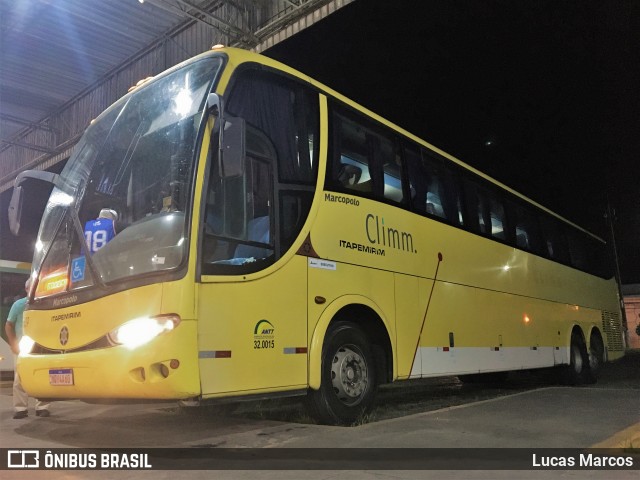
column 13, row 328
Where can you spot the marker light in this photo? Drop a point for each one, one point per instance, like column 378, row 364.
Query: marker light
column 142, row 330
column 217, row 46
column 26, row 344
column 52, row 282
column 140, row 82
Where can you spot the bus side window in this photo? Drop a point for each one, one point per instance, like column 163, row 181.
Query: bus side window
column 497, row 216
column 470, row 205
column 484, row 220
column 418, row 178
column 433, row 187
column 392, row 171
column 526, row 229
column 365, row 161
column 578, row 250
column 485, row 212
column 252, row 219
column 477, row 211
column 555, row 240
column 287, row 113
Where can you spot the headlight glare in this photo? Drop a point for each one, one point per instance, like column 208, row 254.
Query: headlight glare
column 26, row 344
column 142, row 330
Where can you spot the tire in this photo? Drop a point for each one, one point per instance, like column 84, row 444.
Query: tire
column 348, row 377
column 577, row 372
column 596, row 357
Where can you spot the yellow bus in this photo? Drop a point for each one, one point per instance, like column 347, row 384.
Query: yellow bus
column 273, row 237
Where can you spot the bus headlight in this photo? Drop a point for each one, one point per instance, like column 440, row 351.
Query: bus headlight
column 26, row 344
column 142, row 330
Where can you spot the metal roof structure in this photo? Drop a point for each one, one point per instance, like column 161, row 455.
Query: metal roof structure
column 64, row 61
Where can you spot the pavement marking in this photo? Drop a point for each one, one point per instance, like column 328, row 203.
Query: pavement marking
column 456, row 407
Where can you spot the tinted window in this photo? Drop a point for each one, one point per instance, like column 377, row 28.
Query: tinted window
column 432, row 186
column 485, row 212
column 365, row 159
column 555, row 241
column 526, row 231
column 287, row 113
column 588, row 254
column 250, row 220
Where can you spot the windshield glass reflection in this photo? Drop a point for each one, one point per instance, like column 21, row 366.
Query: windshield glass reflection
column 129, row 182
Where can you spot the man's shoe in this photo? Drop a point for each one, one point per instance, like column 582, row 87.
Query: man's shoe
column 42, row 413
column 21, row 414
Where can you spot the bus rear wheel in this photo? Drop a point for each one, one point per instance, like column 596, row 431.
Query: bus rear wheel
column 576, row 373
column 596, row 357
column 348, row 377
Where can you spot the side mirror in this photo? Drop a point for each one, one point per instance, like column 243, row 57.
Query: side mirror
column 24, row 217
column 232, row 138
column 232, row 146
column 15, row 209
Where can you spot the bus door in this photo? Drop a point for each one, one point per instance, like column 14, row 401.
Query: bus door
column 253, row 331
column 252, row 312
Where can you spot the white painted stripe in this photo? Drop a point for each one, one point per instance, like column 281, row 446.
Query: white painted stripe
column 436, row 361
column 17, row 267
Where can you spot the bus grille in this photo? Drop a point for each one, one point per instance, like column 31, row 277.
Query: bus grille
column 102, row 342
column 613, row 330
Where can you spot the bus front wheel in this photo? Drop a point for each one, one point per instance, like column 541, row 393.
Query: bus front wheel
column 348, row 377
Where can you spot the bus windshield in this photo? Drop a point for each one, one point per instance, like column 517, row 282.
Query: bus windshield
column 125, row 192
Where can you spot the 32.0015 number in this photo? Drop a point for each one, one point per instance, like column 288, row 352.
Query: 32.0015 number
column 259, row 344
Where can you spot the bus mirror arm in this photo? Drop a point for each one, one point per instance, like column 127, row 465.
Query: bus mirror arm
column 22, row 217
column 42, row 175
column 214, row 105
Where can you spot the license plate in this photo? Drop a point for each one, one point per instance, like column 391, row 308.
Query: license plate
column 62, row 376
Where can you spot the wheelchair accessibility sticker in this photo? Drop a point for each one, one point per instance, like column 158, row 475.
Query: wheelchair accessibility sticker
column 78, row 266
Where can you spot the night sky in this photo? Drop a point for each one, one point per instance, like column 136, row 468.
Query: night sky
column 542, row 95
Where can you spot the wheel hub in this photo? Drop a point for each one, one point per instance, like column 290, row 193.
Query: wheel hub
column 349, row 375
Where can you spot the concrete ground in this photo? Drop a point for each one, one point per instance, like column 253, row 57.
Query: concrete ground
column 606, row 416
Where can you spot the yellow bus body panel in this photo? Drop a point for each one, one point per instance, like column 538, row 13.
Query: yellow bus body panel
column 112, row 372
column 487, row 296
column 327, row 315
column 252, row 334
